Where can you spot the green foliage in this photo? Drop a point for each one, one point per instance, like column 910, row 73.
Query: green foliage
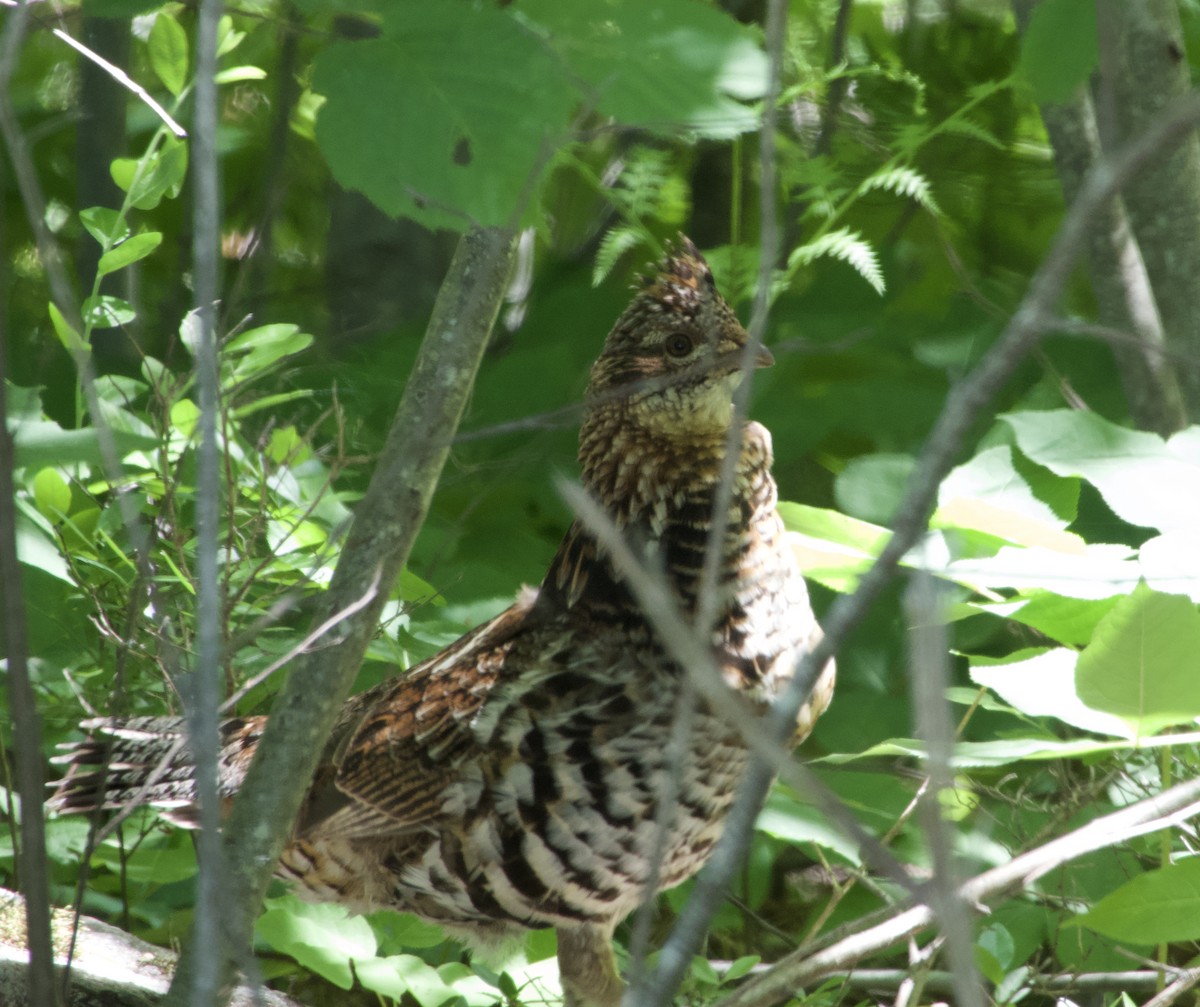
column 1063, row 542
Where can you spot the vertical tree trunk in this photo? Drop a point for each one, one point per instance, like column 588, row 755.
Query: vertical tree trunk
column 1125, row 300
column 1143, row 68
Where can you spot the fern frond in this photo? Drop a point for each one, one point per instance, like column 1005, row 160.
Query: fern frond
column 969, row 127
column 846, row 245
column 904, row 182
column 619, row 240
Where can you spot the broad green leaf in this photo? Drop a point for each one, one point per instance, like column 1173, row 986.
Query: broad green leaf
column 66, row 333
column 1043, row 685
column 1158, row 907
column 785, row 817
column 185, row 417
column 978, row 754
column 52, row 494
column 160, row 860
column 1145, row 480
column 1143, row 663
column 322, row 937
column 1067, row 620
column 107, row 312
column 397, row 975
column 1171, row 562
column 831, row 548
column 123, row 9
column 870, row 486
column 1102, row 572
column 666, row 66
column 129, row 251
column 36, row 548
column 105, row 225
column 1059, row 50
column 1011, row 483
column 44, row 442
column 228, row 37
column 259, row 348
column 162, row 174
column 168, row 46
column 240, row 73
column 452, row 136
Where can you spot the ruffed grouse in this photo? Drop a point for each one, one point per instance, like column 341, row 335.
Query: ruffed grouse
column 511, row 781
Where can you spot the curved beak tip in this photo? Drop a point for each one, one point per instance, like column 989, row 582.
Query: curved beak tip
column 765, row 357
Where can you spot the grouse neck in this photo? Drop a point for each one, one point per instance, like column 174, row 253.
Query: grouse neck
column 637, row 472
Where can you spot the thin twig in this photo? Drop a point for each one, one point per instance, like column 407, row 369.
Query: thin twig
column 122, row 78
column 202, row 694
column 929, row 675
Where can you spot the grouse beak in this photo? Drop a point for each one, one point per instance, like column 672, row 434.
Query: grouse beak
column 765, row 358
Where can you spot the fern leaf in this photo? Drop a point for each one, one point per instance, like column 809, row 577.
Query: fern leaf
column 969, row 127
column 613, row 245
column 845, row 245
column 904, row 182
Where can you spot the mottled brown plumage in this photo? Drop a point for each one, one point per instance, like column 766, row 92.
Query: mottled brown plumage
column 512, row 780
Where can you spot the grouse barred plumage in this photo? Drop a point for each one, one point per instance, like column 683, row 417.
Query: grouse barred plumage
column 512, row 780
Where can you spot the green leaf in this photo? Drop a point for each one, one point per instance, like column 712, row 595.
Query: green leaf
column 904, row 182
column 870, row 486
column 1042, row 684
column 239, row 73
column 228, row 38
column 1011, row 483
column 37, row 549
column 1122, row 464
column 451, row 135
column 1158, row 907
column 1067, row 620
column 1143, row 663
column 1101, row 571
column 1171, row 562
column 261, row 347
column 66, row 332
column 107, row 312
column 129, row 252
column 105, row 225
column 148, row 180
column 44, row 442
column 663, row 66
column 1053, row 67
column 52, row 494
column 168, row 45
column 832, row 548
column 322, row 937
column 397, row 975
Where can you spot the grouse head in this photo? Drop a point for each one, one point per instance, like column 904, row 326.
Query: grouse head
column 673, row 359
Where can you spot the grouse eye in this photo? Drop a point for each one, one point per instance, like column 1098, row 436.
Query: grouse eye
column 679, row 344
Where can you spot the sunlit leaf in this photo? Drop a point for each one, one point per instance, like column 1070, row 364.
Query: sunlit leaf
column 1143, row 663
column 1158, row 907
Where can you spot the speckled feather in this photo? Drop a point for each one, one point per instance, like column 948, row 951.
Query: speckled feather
column 512, row 780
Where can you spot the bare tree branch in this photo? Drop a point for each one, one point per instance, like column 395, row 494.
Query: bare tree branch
column 929, row 678
column 201, row 687
column 385, row 526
